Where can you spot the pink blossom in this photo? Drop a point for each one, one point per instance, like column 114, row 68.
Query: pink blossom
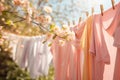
column 49, row 36
column 17, row 2
column 24, row 3
column 1, row 7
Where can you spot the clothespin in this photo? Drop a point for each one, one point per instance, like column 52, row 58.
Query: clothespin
column 80, row 19
column 92, row 10
column 101, row 8
column 73, row 22
column 113, row 2
column 68, row 23
column 87, row 14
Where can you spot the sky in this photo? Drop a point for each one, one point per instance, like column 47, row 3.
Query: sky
column 71, row 10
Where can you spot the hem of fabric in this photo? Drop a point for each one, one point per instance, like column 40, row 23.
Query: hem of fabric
column 92, row 52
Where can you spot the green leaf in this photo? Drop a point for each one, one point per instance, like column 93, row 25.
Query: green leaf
column 9, row 22
column 52, row 27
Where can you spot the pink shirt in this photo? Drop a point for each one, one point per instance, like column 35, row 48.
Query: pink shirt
column 111, row 22
column 105, row 61
column 67, row 58
column 79, row 56
column 63, row 60
column 116, row 36
column 98, row 45
column 104, row 53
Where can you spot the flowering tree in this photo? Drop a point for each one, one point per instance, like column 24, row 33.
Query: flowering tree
column 14, row 14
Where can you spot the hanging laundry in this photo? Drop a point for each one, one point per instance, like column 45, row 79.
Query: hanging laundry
column 111, row 20
column 98, row 49
column 39, row 58
column 109, row 69
column 67, row 57
column 32, row 54
column 19, row 55
column 64, row 60
column 79, row 55
column 61, row 59
column 85, row 45
column 104, row 53
column 115, row 28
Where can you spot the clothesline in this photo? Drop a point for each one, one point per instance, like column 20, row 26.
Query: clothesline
column 92, row 12
column 96, row 45
column 19, row 36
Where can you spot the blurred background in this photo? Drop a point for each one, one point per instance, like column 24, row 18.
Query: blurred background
column 69, row 10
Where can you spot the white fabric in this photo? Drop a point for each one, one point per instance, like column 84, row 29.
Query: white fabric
column 30, row 52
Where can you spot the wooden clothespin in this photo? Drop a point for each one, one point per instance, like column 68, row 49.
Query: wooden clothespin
column 73, row 22
column 92, row 10
column 113, row 2
column 101, row 8
column 80, row 19
column 68, row 23
column 87, row 14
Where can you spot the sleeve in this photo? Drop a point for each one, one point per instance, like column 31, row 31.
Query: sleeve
column 92, row 43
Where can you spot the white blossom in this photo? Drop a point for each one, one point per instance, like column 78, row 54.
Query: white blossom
column 47, row 9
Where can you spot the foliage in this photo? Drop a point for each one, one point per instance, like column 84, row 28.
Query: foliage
column 23, row 18
column 50, row 75
column 8, row 68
